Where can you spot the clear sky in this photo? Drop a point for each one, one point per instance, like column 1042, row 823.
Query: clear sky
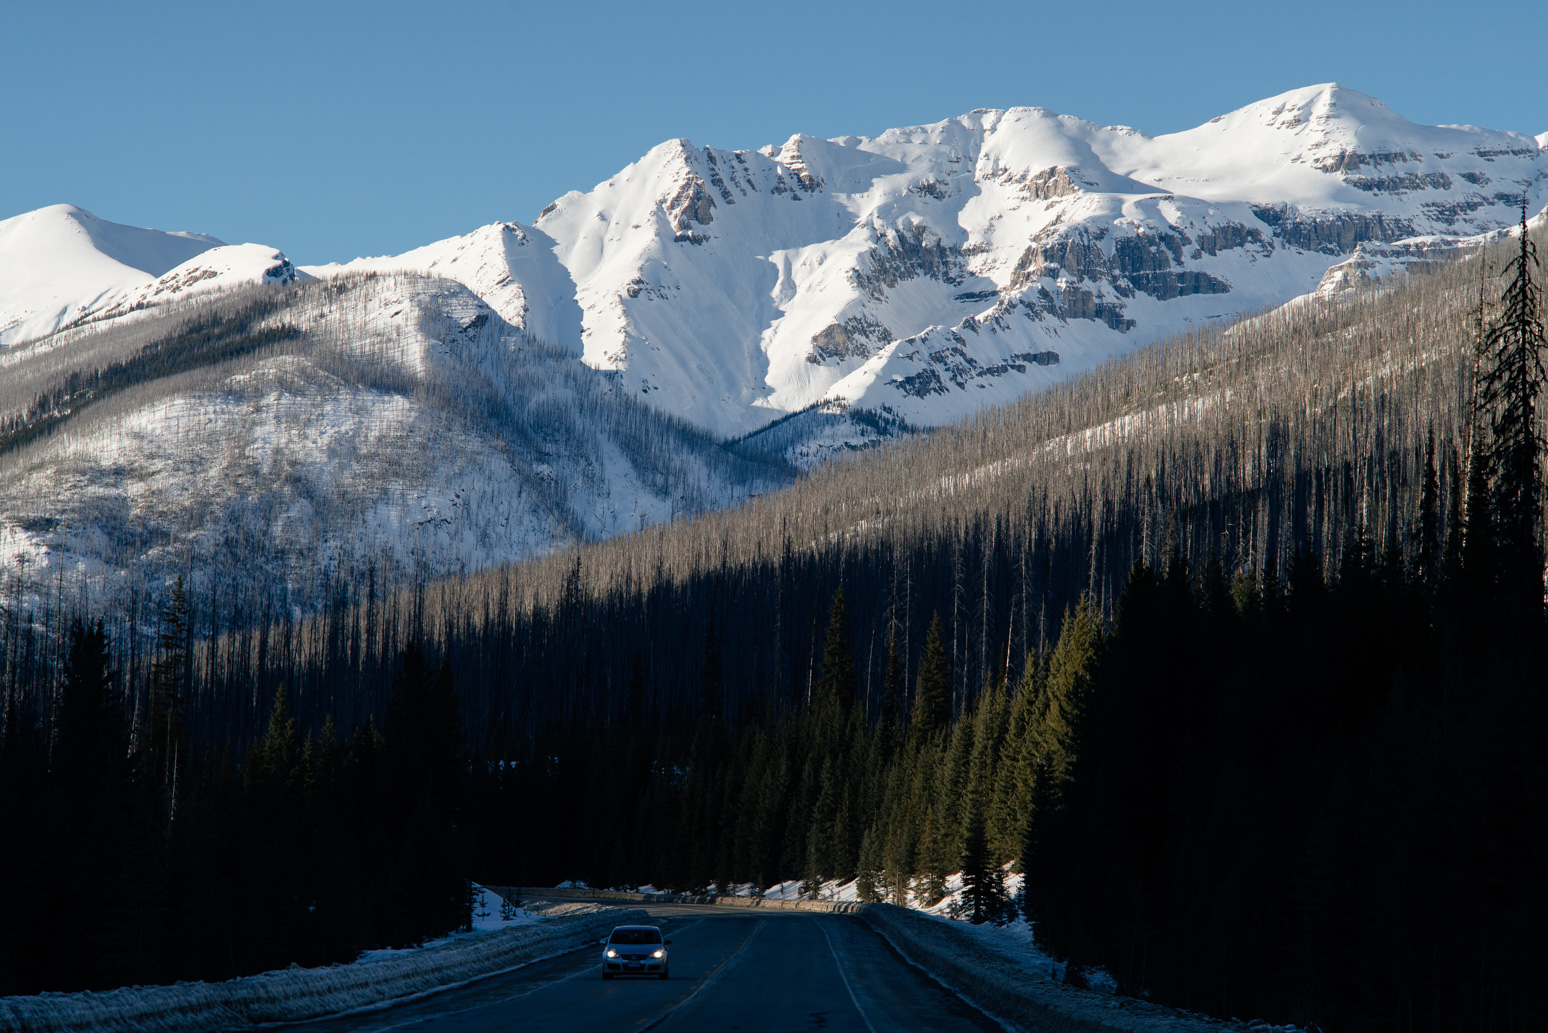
column 331, row 130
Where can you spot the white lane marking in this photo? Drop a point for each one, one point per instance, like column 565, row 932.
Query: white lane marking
column 843, row 975
column 964, row 998
column 708, row 981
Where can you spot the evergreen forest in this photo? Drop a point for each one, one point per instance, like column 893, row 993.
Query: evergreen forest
column 1233, row 649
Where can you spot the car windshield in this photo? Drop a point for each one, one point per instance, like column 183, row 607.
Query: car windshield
column 631, row 936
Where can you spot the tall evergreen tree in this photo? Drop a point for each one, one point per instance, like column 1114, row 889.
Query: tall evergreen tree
column 1427, row 534
column 162, row 736
column 893, row 690
column 932, row 690
column 983, row 881
column 91, row 744
column 868, row 877
column 837, row 685
column 1070, row 672
column 275, row 761
column 1510, row 392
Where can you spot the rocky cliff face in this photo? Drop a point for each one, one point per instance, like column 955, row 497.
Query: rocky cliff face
column 912, row 275
column 919, row 274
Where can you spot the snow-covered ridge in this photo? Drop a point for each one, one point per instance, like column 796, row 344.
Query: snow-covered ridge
column 918, row 275
column 931, row 270
column 62, row 266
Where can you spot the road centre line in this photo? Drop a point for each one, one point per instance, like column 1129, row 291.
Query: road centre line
column 714, row 975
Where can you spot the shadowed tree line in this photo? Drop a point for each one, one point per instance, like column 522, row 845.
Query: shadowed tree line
column 1260, row 726
column 138, row 857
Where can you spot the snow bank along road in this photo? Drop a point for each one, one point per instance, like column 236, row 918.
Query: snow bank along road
column 732, row 969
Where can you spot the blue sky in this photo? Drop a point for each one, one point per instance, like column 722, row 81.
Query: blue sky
column 331, row 130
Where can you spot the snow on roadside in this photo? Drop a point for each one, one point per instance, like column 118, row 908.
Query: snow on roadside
column 1001, row 968
column 375, row 980
column 1014, row 939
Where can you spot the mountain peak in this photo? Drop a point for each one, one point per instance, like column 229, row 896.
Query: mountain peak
column 61, row 263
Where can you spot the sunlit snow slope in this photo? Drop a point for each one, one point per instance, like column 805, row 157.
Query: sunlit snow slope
column 928, row 271
column 61, row 266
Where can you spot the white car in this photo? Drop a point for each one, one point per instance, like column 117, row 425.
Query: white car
column 634, row 950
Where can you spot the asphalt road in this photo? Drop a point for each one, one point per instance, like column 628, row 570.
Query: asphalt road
column 732, row 969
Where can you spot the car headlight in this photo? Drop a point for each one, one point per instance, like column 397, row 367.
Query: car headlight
column 659, row 954
column 612, row 953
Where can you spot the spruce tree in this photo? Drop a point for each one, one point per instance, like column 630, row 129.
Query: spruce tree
column 1070, row 672
column 932, row 690
column 983, row 881
column 163, row 733
column 275, row 761
column 1042, row 814
column 1427, row 541
column 868, row 876
column 893, row 689
column 1509, row 393
column 91, row 743
column 837, row 685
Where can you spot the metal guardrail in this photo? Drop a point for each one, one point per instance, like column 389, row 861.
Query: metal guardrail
column 584, row 893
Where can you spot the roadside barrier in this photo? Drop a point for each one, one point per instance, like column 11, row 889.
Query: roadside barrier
column 842, row 907
column 298, row 994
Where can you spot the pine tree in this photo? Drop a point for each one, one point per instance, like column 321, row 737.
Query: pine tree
column 983, row 881
column 276, row 759
column 1509, row 393
column 1042, row 813
column 836, row 687
column 891, row 710
column 1070, row 671
column 91, row 744
column 1427, row 546
column 163, row 734
column 869, row 875
column 932, row 690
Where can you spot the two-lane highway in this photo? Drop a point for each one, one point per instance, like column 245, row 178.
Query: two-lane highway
column 732, row 969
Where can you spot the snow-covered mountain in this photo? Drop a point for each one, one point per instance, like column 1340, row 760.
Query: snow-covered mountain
column 61, row 266
column 903, row 279
column 271, row 438
column 165, row 398
column 923, row 273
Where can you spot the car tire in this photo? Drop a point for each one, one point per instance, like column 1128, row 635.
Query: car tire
column 607, row 975
column 664, row 973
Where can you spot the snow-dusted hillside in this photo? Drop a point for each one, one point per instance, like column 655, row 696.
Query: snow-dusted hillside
column 930, row 270
column 389, row 421
column 485, row 397
column 61, row 266
column 909, row 278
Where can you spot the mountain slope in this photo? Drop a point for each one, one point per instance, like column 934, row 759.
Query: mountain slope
column 266, row 441
column 901, row 280
column 61, row 265
column 933, row 269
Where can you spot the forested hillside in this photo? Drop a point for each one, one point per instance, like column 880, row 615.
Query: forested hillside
column 1234, row 647
column 269, row 442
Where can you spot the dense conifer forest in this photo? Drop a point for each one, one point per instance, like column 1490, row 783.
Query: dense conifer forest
column 1234, row 648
